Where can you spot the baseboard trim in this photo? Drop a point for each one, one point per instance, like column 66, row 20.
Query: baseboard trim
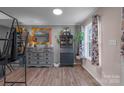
column 91, row 75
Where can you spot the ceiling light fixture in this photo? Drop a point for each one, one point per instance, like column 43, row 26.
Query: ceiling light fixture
column 57, row 11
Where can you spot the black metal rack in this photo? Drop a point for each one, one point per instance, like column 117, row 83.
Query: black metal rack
column 5, row 58
column 66, row 49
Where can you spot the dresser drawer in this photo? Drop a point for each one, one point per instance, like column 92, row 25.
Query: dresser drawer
column 40, row 58
column 29, row 54
column 32, row 62
column 48, row 55
column 40, row 54
column 35, row 54
column 48, row 60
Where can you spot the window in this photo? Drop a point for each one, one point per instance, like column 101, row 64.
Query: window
column 88, row 41
column 82, row 48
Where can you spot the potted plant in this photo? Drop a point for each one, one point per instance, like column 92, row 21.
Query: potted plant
column 78, row 37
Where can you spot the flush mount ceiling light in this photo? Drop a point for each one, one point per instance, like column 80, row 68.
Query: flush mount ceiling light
column 57, row 11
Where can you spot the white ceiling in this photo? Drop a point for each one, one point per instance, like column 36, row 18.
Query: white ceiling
column 44, row 15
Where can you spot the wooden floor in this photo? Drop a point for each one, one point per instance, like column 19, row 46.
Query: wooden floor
column 62, row 76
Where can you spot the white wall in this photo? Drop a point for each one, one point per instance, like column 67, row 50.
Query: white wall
column 108, row 73
column 55, row 32
column 122, row 70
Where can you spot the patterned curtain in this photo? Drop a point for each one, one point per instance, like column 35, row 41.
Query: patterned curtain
column 122, row 29
column 95, row 49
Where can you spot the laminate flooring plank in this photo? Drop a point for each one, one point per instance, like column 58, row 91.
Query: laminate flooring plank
column 60, row 76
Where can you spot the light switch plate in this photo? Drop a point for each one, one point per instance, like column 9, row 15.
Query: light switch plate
column 113, row 42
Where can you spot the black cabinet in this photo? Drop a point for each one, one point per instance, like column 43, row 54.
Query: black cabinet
column 66, row 49
column 1, row 71
column 66, row 59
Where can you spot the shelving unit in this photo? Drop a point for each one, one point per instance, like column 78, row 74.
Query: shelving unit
column 66, row 49
column 66, row 41
column 21, row 36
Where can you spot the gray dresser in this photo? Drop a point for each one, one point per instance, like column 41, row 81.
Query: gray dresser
column 40, row 56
